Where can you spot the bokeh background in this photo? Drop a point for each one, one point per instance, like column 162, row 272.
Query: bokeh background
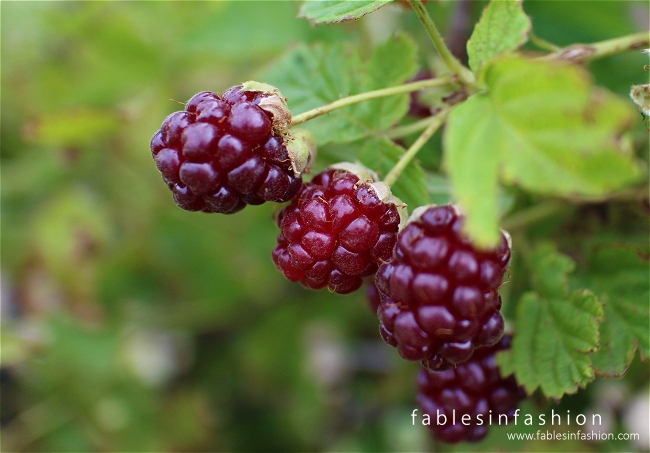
column 131, row 325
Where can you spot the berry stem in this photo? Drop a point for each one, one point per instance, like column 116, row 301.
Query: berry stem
column 436, row 122
column 369, row 95
column 456, row 67
column 533, row 214
column 542, row 43
column 585, row 52
column 408, row 129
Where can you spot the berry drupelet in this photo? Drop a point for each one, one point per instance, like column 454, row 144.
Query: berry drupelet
column 372, row 296
column 439, row 294
column 224, row 152
column 336, row 231
column 474, row 388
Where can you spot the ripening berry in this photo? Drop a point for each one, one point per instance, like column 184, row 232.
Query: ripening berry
column 336, row 231
column 223, row 152
column 439, row 293
column 473, row 389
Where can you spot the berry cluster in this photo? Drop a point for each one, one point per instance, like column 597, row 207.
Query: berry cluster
column 475, row 389
column 222, row 153
column 440, row 297
column 335, row 232
column 436, row 295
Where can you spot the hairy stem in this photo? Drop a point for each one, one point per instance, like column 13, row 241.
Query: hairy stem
column 584, row 52
column 455, row 66
column 367, row 96
column 436, row 121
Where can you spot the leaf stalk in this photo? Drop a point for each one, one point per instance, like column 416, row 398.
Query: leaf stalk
column 436, row 121
column 369, row 95
column 585, row 52
column 456, row 67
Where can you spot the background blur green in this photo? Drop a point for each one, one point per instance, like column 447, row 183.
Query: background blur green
column 131, row 325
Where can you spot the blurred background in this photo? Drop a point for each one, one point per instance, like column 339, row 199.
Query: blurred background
column 131, row 325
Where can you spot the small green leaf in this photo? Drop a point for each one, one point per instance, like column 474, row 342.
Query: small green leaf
column 313, row 76
column 503, row 27
column 333, row 11
column 541, row 125
column 381, row 155
column 621, row 279
column 556, row 332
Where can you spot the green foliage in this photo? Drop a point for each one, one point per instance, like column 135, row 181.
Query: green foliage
column 333, row 11
column 619, row 275
column 314, row 76
column 543, row 126
column 556, row 330
column 129, row 325
column 381, row 155
column 503, row 27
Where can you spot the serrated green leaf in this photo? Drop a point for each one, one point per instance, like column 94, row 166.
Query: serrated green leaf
column 621, row 279
column 541, row 125
column 503, row 27
column 381, row 155
column 333, row 11
column 313, row 76
column 555, row 332
column 550, row 271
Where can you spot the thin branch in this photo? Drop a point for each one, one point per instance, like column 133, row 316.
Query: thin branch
column 585, row 52
column 355, row 99
column 408, row 129
column 437, row 120
column 455, row 66
column 542, row 43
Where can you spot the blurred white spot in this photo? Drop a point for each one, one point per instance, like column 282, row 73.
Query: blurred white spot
column 636, row 419
column 156, row 357
column 327, row 360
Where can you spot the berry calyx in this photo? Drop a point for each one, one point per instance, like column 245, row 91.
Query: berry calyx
column 337, row 230
column 439, row 293
column 473, row 389
column 224, row 152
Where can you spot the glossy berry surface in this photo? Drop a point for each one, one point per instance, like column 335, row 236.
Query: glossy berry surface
column 372, row 296
column 439, row 294
column 335, row 232
column 220, row 154
column 473, row 389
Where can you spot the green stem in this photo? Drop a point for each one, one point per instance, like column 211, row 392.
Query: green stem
column 530, row 215
column 542, row 43
column 455, row 66
column 436, row 122
column 584, row 52
column 631, row 194
column 549, row 208
column 369, row 95
column 408, row 129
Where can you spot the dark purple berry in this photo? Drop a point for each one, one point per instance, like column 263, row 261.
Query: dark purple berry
column 474, row 389
column 444, row 290
column 372, row 296
column 221, row 154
